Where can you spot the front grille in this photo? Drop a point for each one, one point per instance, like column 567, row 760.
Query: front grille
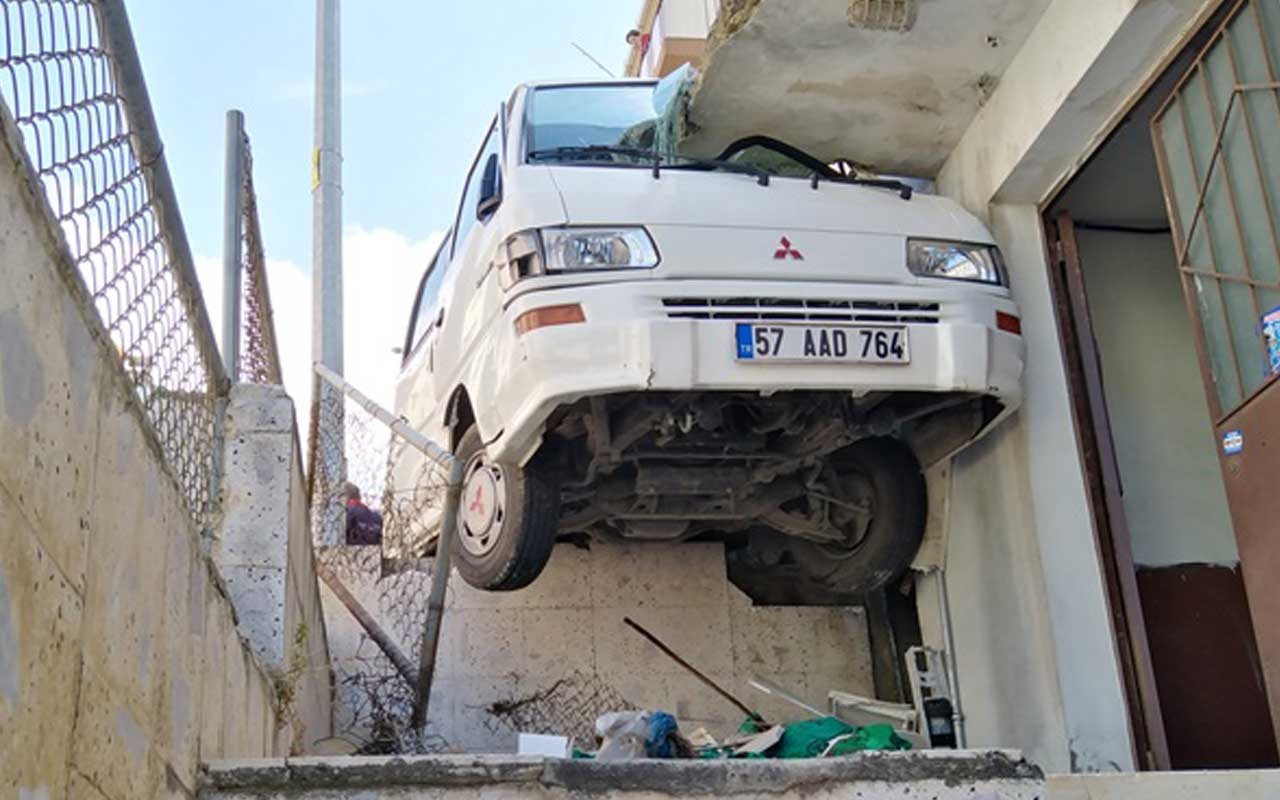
column 800, row 310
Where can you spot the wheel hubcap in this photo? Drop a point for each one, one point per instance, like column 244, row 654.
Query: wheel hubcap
column 483, row 506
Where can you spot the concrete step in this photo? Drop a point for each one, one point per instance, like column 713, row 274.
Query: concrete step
column 962, row 775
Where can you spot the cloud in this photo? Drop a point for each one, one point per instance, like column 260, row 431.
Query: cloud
column 381, row 270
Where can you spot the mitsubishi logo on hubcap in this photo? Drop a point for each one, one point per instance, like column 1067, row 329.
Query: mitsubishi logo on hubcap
column 786, row 251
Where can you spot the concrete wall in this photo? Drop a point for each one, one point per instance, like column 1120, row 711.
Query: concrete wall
column 264, row 552
column 688, row 19
column 120, row 665
column 1053, row 105
column 562, row 642
column 1174, row 500
column 1224, row 785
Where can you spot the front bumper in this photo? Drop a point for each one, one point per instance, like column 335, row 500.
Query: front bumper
column 632, row 341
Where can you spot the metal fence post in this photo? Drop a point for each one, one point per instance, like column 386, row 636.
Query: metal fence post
column 440, row 569
column 232, row 244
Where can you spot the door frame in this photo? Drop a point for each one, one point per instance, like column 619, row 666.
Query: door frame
column 1101, row 473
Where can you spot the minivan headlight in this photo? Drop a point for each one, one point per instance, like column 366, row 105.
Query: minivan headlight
column 962, row 261
column 575, row 249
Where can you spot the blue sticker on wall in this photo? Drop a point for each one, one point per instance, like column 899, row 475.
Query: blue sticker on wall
column 1271, row 339
column 1232, row 442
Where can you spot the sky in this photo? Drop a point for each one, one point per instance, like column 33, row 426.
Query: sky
column 421, row 81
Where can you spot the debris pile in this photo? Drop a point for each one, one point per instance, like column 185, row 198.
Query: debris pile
column 632, row 734
column 656, row 734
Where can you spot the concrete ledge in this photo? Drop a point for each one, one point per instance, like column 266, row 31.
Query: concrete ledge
column 951, row 769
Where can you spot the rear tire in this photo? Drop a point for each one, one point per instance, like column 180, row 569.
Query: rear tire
column 899, row 506
column 506, row 521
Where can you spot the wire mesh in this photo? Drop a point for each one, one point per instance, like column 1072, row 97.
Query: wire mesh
column 259, row 353
column 406, row 487
column 328, row 462
column 59, row 81
column 392, row 583
column 393, row 579
column 569, row 707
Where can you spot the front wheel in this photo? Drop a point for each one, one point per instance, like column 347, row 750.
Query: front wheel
column 506, row 520
column 882, row 479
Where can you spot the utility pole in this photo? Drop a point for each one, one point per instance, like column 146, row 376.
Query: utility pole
column 328, row 448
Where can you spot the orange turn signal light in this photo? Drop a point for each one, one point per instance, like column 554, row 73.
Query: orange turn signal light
column 547, row 316
column 1008, row 323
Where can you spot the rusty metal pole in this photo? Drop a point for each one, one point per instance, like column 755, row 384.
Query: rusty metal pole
column 379, row 636
column 435, row 598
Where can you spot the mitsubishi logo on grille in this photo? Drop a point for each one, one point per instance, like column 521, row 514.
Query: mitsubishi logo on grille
column 786, row 251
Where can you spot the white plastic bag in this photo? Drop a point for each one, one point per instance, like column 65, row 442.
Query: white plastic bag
column 622, row 734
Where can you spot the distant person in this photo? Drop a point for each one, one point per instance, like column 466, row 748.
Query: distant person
column 364, row 525
column 639, row 41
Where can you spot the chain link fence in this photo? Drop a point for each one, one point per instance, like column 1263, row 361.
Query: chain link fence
column 392, row 583
column 391, row 580
column 328, row 469
column 259, row 352
column 71, row 83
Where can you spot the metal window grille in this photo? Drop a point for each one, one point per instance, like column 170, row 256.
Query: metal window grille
column 1218, row 149
column 71, row 83
column 883, row 15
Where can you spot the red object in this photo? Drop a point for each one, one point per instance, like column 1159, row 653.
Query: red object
column 787, row 251
column 1008, row 323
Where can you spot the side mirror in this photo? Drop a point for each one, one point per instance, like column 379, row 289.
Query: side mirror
column 490, row 188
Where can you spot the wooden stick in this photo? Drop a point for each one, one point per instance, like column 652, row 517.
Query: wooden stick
column 694, row 670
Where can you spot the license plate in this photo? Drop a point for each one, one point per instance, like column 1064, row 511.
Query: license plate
column 841, row 343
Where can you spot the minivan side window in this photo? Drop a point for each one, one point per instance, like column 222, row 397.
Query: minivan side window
column 428, row 298
column 471, row 195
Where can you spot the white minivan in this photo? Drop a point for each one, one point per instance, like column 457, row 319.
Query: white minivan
column 631, row 342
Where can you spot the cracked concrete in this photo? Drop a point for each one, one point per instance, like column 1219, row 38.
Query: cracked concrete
column 893, row 97
column 993, row 775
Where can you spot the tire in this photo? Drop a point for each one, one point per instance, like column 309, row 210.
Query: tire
column 510, row 551
column 899, row 508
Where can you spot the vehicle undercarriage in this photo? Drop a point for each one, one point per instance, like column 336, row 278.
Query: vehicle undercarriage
column 671, row 466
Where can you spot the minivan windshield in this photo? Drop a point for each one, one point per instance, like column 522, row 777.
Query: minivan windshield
column 631, row 125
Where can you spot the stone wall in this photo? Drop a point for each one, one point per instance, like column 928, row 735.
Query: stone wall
column 120, row 664
column 558, row 652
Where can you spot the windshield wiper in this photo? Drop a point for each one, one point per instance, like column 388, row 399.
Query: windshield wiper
column 652, row 157
column 904, row 190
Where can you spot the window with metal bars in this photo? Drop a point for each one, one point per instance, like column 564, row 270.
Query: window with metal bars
column 1217, row 141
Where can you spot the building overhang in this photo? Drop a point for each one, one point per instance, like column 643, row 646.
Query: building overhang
column 888, row 84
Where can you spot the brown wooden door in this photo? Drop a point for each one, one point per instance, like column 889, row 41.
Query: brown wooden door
column 1217, row 142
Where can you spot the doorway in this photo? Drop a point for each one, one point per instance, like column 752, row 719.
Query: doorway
column 1151, row 424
